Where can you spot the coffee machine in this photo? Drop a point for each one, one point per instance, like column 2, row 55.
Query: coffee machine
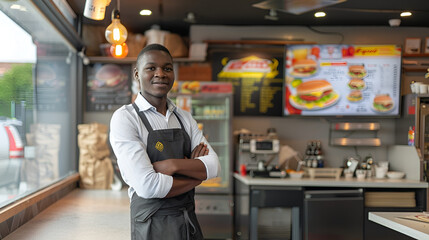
column 258, row 155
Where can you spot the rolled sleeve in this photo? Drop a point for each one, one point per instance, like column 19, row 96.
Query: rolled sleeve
column 212, row 166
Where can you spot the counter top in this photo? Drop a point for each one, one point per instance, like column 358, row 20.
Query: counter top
column 395, row 221
column 331, row 182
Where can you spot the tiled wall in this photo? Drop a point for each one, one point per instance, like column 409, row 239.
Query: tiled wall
column 26, row 215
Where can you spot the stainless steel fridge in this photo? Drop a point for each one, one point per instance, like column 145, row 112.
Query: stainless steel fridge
column 211, row 107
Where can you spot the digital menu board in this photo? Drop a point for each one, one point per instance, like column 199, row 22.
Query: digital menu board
column 257, row 79
column 342, row 80
column 108, row 86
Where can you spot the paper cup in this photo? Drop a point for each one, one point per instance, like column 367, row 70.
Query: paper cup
column 380, row 172
column 423, row 88
column 360, row 174
column 413, row 87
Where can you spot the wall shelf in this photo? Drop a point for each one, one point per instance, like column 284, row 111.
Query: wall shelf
column 415, row 55
column 354, row 134
column 105, row 59
column 257, row 42
column 415, row 68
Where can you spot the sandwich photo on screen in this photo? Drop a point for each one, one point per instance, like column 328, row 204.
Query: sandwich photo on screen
column 314, row 95
column 107, row 76
column 304, row 67
column 355, row 96
column 383, row 103
column 356, row 84
column 357, row 71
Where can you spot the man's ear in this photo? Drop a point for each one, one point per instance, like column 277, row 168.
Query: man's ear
column 136, row 74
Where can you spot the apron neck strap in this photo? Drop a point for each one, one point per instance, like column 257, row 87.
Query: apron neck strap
column 181, row 124
column 146, row 122
column 143, row 118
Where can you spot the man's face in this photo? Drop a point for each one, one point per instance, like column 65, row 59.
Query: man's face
column 155, row 74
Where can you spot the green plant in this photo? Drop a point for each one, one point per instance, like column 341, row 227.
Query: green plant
column 16, row 85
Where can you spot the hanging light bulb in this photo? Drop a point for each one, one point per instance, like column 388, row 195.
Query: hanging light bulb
column 116, row 33
column 119, row 50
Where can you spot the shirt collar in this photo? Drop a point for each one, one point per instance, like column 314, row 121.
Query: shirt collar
column 144, row 105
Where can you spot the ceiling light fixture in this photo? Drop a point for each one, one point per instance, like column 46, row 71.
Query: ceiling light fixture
column 190, row 18
column 394, row 22
column 406, row 14
column 145, row 12
column 95, row 9
column 320, row 14
column 272, row 15
column 116, row 33
column 18, row 7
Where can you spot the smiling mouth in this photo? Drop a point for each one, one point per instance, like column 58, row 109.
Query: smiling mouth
column 160, row 83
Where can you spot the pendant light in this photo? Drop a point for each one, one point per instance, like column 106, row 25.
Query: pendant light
column 116, row 33
column 119, row 50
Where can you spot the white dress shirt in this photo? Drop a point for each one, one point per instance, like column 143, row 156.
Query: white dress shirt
column 128, row 137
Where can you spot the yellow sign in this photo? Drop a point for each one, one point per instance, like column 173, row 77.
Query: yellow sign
column 159, row 146
column 249, row 67
column 376, row 50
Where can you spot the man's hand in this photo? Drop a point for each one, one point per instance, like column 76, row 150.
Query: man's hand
column 199, row 151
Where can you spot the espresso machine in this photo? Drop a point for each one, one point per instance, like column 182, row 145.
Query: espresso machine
column 258, row 155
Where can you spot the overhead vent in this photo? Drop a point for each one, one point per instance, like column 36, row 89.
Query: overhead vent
column 296, row 7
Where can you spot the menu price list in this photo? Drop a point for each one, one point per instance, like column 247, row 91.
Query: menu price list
column 257, row 80
column 254, row 96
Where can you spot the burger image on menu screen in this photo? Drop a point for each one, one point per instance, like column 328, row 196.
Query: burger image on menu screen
column 109, row 75
column 314, row 94
column 356, row 84
column 357, row 71
column 304, row 67
column 354, row 96
column 382, row 103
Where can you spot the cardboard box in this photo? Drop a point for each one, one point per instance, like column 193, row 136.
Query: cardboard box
column 195, row 72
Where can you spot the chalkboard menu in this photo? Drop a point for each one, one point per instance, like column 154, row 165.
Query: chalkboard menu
column 257, row 79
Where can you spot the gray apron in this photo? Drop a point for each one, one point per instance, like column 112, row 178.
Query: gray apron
column 165, row 218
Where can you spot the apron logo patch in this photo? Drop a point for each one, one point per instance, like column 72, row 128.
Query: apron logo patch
column 159, row 146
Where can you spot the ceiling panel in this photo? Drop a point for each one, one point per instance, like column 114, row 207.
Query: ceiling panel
column 170, row 14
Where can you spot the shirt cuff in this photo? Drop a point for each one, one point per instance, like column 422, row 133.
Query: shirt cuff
column 167, row 184
column 212, row 167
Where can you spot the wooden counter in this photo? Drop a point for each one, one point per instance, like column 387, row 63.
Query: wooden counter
column 395, row 221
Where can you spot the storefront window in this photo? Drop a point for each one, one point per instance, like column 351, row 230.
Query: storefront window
column 37, row 102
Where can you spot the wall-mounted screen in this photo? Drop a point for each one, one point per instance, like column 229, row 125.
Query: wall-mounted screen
column 108, row 86
column 342, row 80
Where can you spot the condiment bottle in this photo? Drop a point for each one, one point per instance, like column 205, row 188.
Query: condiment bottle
column 411, row 136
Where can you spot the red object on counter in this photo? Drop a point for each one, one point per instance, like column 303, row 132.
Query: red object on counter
column 243, row 170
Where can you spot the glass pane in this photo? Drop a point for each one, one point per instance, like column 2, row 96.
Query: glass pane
column 37, row 102
column 212, row 113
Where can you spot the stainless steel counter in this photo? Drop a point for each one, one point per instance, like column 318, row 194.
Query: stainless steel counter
column 255, row 194
column 332, row 182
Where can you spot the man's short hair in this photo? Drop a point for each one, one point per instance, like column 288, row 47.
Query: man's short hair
column 151, row 47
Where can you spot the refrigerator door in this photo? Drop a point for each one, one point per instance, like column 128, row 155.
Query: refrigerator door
column 423, row 141
column 213, row 112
